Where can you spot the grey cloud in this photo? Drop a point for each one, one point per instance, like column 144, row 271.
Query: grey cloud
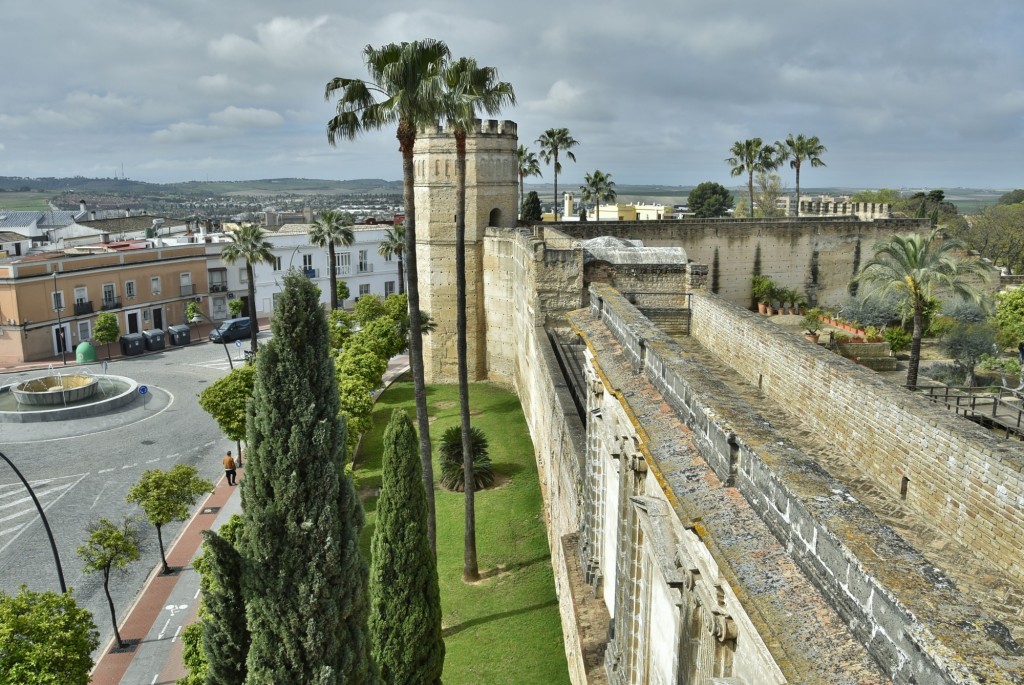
column 655, row 91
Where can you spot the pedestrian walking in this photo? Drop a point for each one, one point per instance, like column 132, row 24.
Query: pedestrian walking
column 229, row 467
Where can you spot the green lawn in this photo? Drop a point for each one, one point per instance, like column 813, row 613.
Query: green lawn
column 16, row 201
column 504, row 629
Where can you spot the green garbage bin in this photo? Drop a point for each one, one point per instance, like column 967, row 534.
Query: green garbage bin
column 85, row 352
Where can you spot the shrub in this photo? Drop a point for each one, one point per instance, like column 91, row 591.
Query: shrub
column 947, row 374
column 871, row 311
column 452, row 474
column 897, row 338
column 965, row 311
column 940, row 326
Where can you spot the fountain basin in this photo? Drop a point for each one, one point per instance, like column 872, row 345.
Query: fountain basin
column 56, row 390
column 112, row 392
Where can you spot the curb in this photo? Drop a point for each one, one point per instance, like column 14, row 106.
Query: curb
column 105, row 653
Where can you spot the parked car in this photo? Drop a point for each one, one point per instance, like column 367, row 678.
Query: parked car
column 231, row 329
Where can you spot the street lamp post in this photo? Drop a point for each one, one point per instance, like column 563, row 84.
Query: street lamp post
column 46, row 524
column 60, row 326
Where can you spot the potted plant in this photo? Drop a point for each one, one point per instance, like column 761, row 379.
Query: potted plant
column 812, row 325
column 761, row 288
column 773, row 295
column 872, row 334
column 799, row 302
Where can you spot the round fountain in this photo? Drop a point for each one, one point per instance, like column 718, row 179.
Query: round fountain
column 57, row 396
column 56, row 390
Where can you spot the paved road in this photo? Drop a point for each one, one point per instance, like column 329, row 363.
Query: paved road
column 82, row 469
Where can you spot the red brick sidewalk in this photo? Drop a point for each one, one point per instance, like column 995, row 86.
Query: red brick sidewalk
column 111, row 667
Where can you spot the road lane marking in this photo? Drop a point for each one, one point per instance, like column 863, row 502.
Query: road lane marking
column 104, row 471
column 150, row 461
column 46, row 507
column 96, row 501
column 176, row 632
column 129, row 466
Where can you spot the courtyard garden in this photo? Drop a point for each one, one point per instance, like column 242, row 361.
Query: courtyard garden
column 504, row 629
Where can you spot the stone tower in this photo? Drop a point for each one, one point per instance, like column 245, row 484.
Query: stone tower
column 491, row 189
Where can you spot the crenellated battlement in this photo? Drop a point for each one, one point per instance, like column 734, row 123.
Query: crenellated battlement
column 483, row 127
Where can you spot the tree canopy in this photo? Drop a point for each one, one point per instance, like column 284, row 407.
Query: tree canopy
column 304, row 581
column 553, row 142
column 915, row 268
column 107, row 329
column 1011, row 198
column 531, row 210
column 167, row 496
column 249, row 244
column 110, row 547
column 45, row 639
column 405, row 603
column 225, row 400
column 709, row 199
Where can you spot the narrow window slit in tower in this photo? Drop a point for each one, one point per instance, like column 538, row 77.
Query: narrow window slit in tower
column 904, row 485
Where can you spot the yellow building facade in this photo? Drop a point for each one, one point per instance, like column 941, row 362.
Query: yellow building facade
column 49, row 302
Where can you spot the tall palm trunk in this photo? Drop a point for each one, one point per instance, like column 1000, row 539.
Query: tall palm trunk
column 334, row 276
column 555, row 208
column 797, row 167
column 401, row 275
column 470, row 571
column 252, row 305
column 915, row 346
column 750, row 188
column 407, row 140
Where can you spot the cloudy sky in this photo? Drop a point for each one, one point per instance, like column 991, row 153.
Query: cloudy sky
column 905, row 93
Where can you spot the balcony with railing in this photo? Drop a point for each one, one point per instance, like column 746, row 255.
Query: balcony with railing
column 187, row 289
column 218, row 287
column 310, row 272
column 111, row 303
column 365, row 268
column 83, row 307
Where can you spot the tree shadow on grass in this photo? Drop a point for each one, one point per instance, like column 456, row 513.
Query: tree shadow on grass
column 507, row 468
column 513, row 567
column 452, row 630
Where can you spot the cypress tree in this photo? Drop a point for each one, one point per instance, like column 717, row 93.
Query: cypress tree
column 304, row 581
column 405, row 603
column 225, row 636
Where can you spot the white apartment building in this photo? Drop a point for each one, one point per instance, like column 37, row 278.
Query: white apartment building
column 360, row 265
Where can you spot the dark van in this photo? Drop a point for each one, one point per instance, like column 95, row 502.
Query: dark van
column 231, row 329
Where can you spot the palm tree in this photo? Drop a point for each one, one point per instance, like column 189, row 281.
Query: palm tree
column 551, row 143
column 248, row 242
column 799, row 149
column 334, row 227
column 596, row 187
column 469, row 87
column 528, row 166
column 393, row 245
column 915, row 268
column 749, row 157
column 406, row 89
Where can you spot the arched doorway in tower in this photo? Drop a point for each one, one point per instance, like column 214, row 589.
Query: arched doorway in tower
column 495, row 217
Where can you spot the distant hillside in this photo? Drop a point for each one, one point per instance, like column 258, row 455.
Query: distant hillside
column 274, row 186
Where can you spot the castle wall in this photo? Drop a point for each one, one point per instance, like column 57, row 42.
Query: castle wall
column 970, row 486
column 815, row 256
column 911, row 618
column 517, row 266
